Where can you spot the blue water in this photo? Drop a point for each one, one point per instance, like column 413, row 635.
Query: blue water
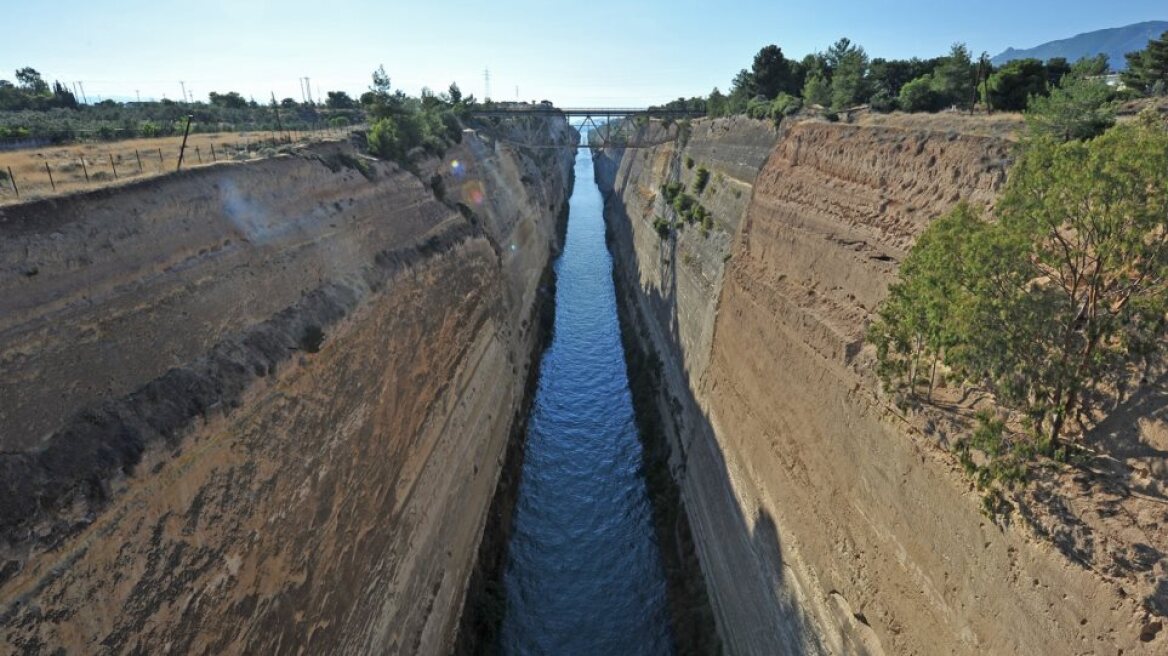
column 584, row 573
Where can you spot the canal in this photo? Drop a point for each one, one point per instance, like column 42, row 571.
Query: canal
column 584, row 574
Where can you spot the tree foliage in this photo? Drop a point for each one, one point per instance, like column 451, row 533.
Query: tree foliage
column 920, row 95
column 849, row 65
column 1049, row 305
column 401, row 124
column 32, row 92
column 954, row 77
column 772, row 73
column 1079, row 108
column 1147, row 69
column 1012, row 85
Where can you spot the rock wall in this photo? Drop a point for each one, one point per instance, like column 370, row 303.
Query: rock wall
column 825, row 520
column 262, row 408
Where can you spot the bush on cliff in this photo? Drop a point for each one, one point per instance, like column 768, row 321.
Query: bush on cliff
column 1079, row 108
column 402, row 123
column 1052, row 304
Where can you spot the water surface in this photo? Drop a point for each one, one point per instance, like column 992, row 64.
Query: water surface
column 584, row 574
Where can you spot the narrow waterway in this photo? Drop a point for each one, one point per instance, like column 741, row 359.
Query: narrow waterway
column 584, row 574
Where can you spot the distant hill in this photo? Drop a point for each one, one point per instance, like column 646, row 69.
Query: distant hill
column 1113, row 42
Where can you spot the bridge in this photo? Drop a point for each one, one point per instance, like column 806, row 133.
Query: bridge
column 606, row 126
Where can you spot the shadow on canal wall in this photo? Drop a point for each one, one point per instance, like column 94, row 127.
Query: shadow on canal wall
column 660, row 411
column 486, row 601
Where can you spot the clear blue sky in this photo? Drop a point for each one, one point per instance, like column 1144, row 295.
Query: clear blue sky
column 600, row 52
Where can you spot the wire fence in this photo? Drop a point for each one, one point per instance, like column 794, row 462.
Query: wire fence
column 42, row 172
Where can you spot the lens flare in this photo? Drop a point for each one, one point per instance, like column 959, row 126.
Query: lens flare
column 472, row 192
column 457, row 169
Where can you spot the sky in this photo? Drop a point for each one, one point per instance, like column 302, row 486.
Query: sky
column 603, row 52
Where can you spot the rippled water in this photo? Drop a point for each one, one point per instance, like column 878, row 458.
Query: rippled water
column 584, row 574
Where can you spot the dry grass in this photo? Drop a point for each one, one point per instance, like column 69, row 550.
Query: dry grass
column 133, row 159
column 999, row 125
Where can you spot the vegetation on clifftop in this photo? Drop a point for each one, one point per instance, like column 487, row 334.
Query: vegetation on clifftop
column 843, row 76
column 1053, row 305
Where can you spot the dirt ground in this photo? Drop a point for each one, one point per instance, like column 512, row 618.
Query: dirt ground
column 108, row 163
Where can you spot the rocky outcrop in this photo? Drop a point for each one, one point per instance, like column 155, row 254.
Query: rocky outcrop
column 826, row 520
column 263, row 407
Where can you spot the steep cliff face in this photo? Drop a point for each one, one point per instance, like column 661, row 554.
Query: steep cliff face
column 264, row 406
column 826, row 521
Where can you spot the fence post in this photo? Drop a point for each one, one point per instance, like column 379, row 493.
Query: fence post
column 85, row 168
column 12, row 179
column 159, row 159
column 183, row 148
column 198, row 154
column 139, row 158
column 213, row 158
column 50, row 172
column 113, row 166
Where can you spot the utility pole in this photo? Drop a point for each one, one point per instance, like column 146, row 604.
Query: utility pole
column 84, row 99
column 308, row 87
column 486, row 84
column 303, row 96
column 138, row 95
column 184, row 90
column 276, row 109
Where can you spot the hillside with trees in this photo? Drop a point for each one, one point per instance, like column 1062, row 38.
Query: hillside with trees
column 845, row 76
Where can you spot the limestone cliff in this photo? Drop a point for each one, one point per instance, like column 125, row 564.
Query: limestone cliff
column 827, row 521
column 262, row 407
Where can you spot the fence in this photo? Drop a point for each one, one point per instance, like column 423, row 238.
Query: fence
column 38, row 173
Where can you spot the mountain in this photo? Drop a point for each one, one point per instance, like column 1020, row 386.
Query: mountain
column 1113, row 42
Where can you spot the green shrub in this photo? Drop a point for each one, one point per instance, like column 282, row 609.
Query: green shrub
column 671, row 190
column 882, row 101
column 919, row 95
column 662, row 226
column 689, row 162
column 701, row 179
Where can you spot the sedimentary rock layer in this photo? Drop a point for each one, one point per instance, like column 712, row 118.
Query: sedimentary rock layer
column 262, row 407
column 826, row 521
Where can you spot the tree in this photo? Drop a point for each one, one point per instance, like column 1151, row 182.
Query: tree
column 339, row 100
column 716, row 103
column 954, row 77
column 772, row 73
column 817, row 91
column 455, row 93
column 63, row 97
column 742, row 90
column 849, row 86
column 1147, row 67
column 31, row 81
column 1095, row 212
column 1050, row 305
column 1091, row 66
column 1080, row 108
column 381, row 84
column 1056, row 68
column 1011, row 86
column 892, row 74
column 919, row 95
column 231, row 100
column 286, row 103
